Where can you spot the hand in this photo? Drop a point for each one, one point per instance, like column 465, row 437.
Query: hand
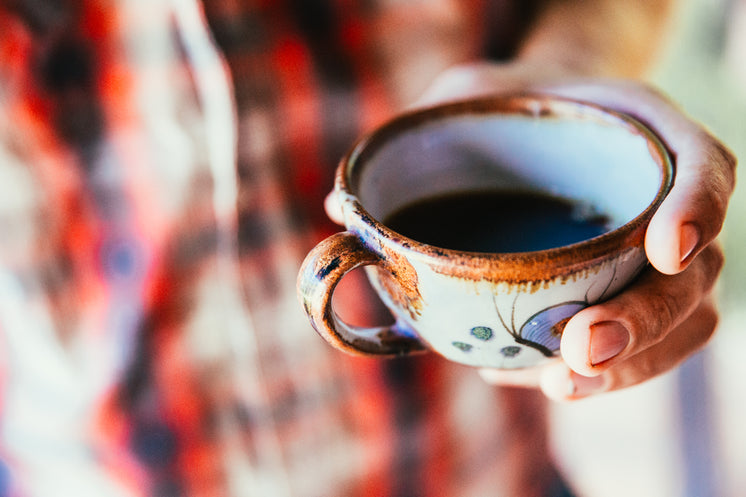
column 669, row 313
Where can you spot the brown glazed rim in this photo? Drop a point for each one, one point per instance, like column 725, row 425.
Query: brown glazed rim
column 519, row 267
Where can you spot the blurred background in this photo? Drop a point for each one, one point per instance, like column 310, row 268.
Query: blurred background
column 683, row 434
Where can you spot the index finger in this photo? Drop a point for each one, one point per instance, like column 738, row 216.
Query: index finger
column 692, row 214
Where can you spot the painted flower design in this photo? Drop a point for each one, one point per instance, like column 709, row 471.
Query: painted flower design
column 542, row 331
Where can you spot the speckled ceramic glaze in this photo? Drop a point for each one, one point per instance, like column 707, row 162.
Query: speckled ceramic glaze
column 501, row 310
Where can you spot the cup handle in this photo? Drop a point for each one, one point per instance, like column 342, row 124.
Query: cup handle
column 322, row 269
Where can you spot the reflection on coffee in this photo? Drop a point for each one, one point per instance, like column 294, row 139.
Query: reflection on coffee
column 498, row 221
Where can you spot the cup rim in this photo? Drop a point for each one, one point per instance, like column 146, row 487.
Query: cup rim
column 514, row 267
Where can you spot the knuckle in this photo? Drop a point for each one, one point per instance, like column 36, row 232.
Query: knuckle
column 723, row 155
column 714, row 200
column 721, row 189
column 665, row 308
column 722, row 177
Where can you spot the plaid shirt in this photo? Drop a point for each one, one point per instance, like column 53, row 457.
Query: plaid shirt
column 157, row 195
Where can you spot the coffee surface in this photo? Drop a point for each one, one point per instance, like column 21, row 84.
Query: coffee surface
column 498, row 221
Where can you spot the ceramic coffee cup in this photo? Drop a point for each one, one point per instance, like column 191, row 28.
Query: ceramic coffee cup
column 487, row 309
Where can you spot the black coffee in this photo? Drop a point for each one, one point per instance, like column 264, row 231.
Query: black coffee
column 498, row 222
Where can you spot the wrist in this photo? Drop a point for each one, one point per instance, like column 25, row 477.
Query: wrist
column 592, row 39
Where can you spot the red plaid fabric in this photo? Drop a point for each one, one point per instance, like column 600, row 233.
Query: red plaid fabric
column 162, row 169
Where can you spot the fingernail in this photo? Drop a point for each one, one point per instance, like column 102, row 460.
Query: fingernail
column 688, row 241
column 582, row 386
column 608, row 339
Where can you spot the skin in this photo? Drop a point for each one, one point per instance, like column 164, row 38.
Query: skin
column 669, row 313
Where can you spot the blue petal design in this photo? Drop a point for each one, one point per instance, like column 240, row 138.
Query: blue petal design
column 545, row 328
column 482, row 332
column 463, row 347
column 510, row 351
